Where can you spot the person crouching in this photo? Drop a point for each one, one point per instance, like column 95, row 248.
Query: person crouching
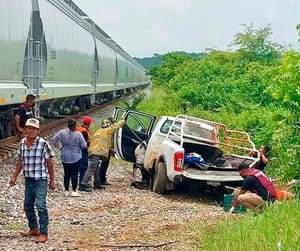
column 256, row 189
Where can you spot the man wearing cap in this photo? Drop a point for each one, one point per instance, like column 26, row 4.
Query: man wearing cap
column 84, row 129
column 34, row 156
column 99, row 151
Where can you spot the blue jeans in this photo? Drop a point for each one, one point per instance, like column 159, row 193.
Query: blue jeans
column 35, row 194
column 84, row 162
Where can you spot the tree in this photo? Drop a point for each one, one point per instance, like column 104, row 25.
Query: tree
column 286, row 89
column 255, row 44
column 172, row 62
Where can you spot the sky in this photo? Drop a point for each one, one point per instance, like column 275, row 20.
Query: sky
column 147, row 27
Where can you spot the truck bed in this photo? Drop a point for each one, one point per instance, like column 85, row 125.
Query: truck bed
column 211, row 175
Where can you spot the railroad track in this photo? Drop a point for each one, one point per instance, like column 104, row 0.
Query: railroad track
column 9, row 145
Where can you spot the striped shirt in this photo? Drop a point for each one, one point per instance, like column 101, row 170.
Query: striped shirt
column 34, row 158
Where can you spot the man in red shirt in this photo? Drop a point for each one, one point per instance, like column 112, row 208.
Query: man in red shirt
column 256, row 189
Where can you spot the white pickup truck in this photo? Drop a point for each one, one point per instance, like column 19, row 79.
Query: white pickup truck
column 184, row 149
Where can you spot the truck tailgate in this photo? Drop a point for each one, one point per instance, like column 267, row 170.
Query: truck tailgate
column 212, row 175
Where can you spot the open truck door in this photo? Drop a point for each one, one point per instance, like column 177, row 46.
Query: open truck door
column 138, row 128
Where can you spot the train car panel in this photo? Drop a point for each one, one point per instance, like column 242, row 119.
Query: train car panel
column 50, row 48
column 59, row 90
column 122, row 75
column 130, row 75
column 136, row 74
column 70, row 47
column 15, row 22
column 107, row 63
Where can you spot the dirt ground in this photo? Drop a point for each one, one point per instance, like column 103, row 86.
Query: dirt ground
column 121, row 217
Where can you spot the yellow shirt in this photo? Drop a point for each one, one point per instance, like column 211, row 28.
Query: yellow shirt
column 101, row 140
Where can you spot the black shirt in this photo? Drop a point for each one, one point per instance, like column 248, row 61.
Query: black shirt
column 25, row 113
column 252, row 184
column 261, row 165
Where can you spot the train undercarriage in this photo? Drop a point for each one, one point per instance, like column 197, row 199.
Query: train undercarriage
column 53, row 108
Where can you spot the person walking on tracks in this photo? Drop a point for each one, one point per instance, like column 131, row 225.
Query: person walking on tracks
column 34, row 156
column 99, row 151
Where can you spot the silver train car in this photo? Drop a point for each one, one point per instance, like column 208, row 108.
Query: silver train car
column 52, row 49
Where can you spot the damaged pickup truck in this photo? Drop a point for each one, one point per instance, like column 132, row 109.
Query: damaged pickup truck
column 184, row 149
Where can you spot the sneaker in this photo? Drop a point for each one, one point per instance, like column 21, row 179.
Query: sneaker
column 66, row 193
column 74, row 194
column 85, row 188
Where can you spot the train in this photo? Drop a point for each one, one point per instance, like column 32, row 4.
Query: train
column 53, row 50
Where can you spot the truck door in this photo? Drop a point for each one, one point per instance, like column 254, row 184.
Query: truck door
column 138, row 128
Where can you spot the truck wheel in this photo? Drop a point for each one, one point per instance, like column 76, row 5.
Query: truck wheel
column 160, row 178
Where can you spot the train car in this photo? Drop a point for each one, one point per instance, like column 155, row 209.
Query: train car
column 52, row 49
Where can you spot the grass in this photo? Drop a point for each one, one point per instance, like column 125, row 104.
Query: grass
column 113, row 211
column 14, row 227
column 276, row 228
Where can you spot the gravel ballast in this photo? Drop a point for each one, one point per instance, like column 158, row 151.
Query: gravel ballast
column 121, row 217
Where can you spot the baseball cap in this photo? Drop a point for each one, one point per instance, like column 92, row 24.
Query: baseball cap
column 33, row 122
column 87, row 120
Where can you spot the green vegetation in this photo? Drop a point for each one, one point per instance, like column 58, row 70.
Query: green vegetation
column 149, row 62
column 156, row 60
column 135, row 102
column 277, row 228
column 254, row 88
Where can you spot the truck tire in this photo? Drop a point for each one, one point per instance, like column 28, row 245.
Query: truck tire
column 160, row 178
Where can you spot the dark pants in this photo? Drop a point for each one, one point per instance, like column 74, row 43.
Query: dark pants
column 103, row 169
column 100, row 172
column 35, row 194
column 84, row 162
column 145, row 174
column 71, row 173
column 93, row 169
